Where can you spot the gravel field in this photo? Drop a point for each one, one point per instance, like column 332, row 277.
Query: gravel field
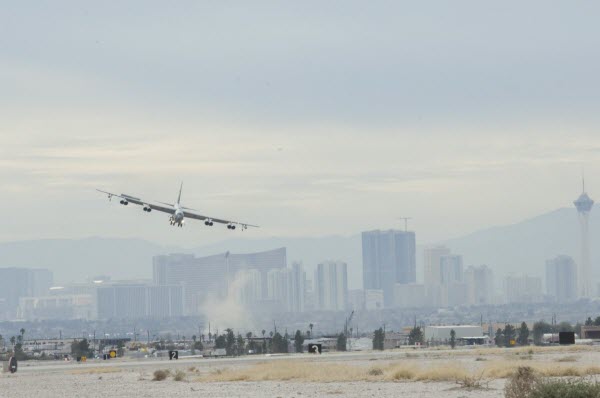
column 438, row 374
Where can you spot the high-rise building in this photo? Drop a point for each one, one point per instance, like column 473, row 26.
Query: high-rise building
column 480, row 281
column 59, row 307
column 388, row 258
column 22, row 282
column 297, row 288
column 278, row 288
column 331, row 280
column 561, row 279
column 431, row 264
column 212, row 276
column 584, row 205
column 137, row 301
column 248, row 289
column 451, row 269
column 356, row 299
column 522, row 289
column 410, row 295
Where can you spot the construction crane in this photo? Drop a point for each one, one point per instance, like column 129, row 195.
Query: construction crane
column 348, row 320
column 405, row 222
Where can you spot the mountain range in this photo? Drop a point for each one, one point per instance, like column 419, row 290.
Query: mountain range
column 511, row 249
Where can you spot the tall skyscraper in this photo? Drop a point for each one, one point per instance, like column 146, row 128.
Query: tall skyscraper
column 480, row 281
column 297, row 288
column 331, row 280
column 584, row 205
column 388, row 258
column 278, row 283
column 561, row 279
column 22, row 282
column 431, row 264
column 451, row 269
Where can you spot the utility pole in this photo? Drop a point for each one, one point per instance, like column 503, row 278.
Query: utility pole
column 553, row 326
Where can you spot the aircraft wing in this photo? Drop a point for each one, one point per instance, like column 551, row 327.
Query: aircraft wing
column 137, row 201
column 189, row 214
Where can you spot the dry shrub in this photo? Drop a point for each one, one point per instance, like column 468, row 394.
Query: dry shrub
column 566, row 388
column 447, row 372
column 161, row 374
column 570, row 358
column 472, row 382
column 179, row 375
column 403, row 374
column 506, row 369
column 522, row 383
column 329, row 372
column 375, row 372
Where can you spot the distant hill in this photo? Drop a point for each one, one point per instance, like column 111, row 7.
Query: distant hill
column 524, row 247
column 518, row 248
column 78, row 259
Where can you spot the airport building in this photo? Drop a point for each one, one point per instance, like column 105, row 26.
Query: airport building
column 388, row 258
column 442, row 333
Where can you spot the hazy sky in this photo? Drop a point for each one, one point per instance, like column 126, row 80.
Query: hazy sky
column 308, row 118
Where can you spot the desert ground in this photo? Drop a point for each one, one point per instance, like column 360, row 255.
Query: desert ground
column 463, row 372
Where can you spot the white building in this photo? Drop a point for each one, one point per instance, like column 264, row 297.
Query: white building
column 331, row 283
column 561, row 279
column 135, row 301
column 410, row 295
column 278, row 287
column 481, row 284
column 71, row 306
column 297, row 288
column 431, row 264
column 442, row 333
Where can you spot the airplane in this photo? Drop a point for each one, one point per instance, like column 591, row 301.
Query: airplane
column 177, row 211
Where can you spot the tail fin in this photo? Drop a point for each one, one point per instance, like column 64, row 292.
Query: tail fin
column 179, row 197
